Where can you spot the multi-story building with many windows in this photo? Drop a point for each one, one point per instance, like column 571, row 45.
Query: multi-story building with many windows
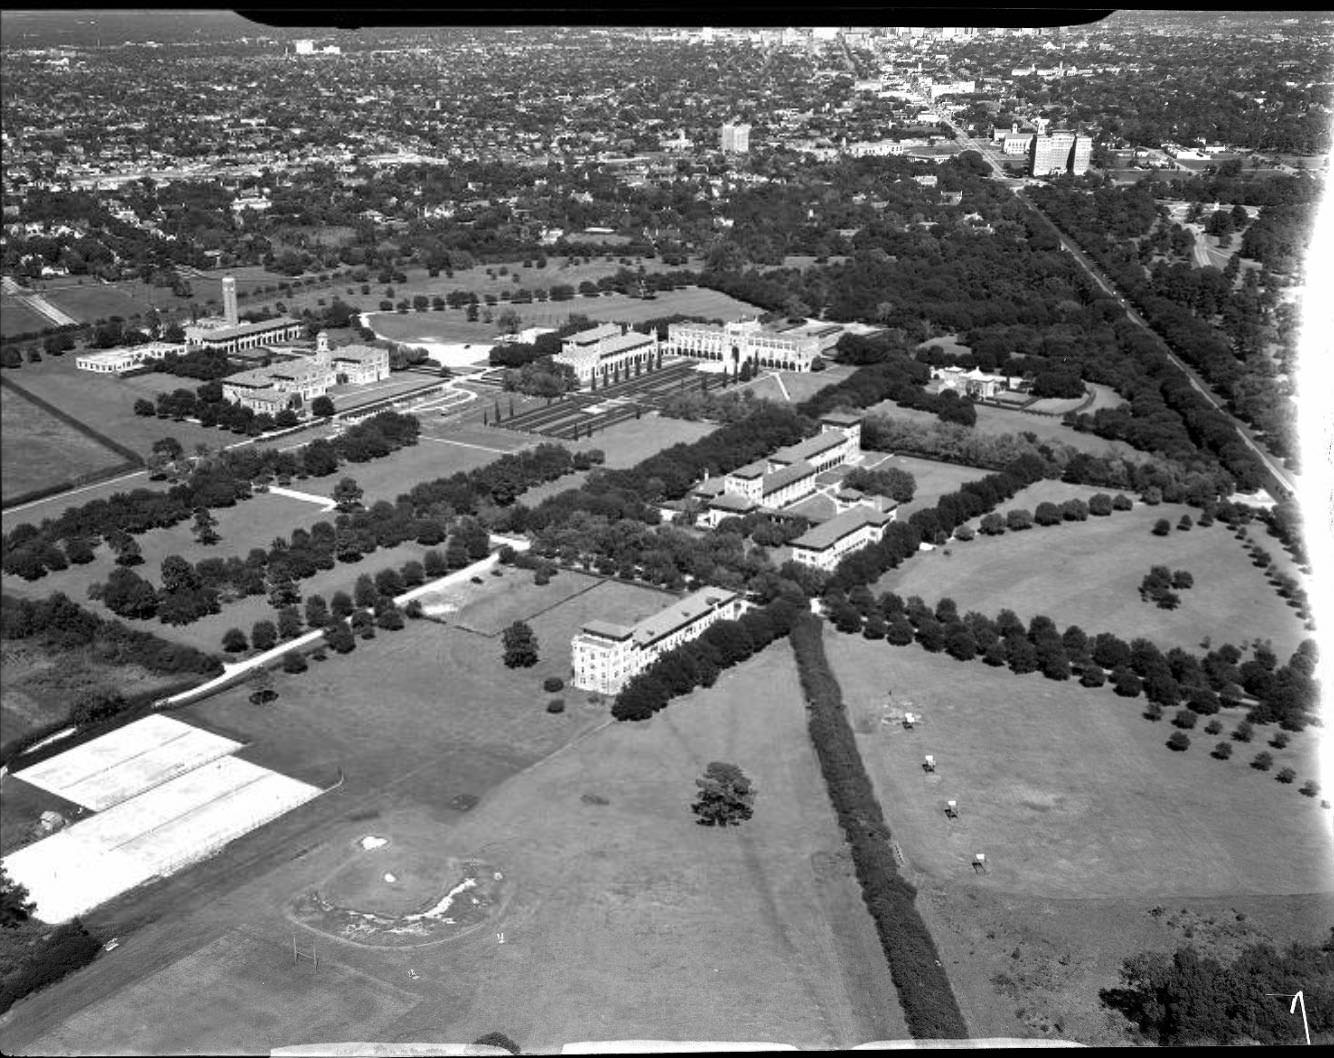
column 861, row 521
column 606, row 353
column 605, row 656
column 295, row 383
column 785, row 349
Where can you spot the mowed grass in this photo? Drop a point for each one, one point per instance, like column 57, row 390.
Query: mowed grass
column 933, row 479
column 991, row 421
column 37, row 449
column 1070, row 792
column 243, row 970
column 17, row 318
column 106, row 403
column 626, row 921
column 431, row 702
column 94, row 301
column 630, row 921
column 1088, row 573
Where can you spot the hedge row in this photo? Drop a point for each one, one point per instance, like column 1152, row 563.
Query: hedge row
column 70, row 948
column 698, row 662
column 928, row 1002
column 82, row 427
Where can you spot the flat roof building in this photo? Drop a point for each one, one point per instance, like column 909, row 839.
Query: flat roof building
column 126, row 358
column 605, row 655
column 824, row 545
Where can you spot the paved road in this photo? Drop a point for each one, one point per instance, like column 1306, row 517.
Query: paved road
column 1279, row 472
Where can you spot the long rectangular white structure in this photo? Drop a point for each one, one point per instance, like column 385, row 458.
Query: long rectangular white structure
column 155, row 834
column 123, row 763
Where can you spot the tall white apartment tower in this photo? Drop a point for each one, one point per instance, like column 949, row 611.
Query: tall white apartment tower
column 735, row 138
column 229, row 312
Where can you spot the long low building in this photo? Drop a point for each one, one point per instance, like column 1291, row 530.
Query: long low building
column 605, row 656
column 825, row 545
column 223, row 337
column 125, row 358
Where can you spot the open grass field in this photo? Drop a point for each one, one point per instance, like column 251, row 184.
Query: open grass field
column 92, row 301
column 37, row 449
column 107, row 403
column 933, row 479
column 1070, row 791
column 993, row 421
column 17, row 318
column 1088, row 573
column 1088, row 823
column 626, row 921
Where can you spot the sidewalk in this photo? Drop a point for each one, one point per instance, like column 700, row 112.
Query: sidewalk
column 234, row 669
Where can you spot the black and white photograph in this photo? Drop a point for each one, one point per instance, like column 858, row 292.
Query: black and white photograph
column 578, row 531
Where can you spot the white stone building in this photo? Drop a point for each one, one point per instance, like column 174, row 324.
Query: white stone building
column 861, row 520
column 605, row 354
column 605, row 656
column 126, row 358
column 295, row 383
column 785, row 349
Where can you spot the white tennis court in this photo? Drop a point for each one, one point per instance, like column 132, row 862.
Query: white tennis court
column 125, row 762
column 183, row 808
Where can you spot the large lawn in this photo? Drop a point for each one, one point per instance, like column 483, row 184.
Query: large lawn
column 106, row 403
column 37, row 449
column 17, row 318
column 1070, row 792
column 627, row 921
column 993, row 421
column 1088, row 573
column 933, row 478
column 94, row 301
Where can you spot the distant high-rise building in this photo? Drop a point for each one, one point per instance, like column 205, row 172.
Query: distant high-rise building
column 305, row 47
column 1051, row 153
column 736, row 138
column 229, row 312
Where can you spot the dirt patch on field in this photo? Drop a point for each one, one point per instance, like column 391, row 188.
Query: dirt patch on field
column 468, row 893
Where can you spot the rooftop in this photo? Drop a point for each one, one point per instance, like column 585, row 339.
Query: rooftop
column 812, row 446
column 831, row 532
column 606, row 629
column 731, row 501
column 623, row 342
column 594, row 334
column 680, row 614
column 786, row 476
column 241, row 330
column 749, row 472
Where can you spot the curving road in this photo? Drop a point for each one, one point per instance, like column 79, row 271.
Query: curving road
column 1280, row 473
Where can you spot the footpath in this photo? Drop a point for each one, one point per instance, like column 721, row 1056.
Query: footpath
column 234, row 672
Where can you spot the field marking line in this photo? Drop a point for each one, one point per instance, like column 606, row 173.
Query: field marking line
column 465, row 444
column 71, row 492
column 779, row 379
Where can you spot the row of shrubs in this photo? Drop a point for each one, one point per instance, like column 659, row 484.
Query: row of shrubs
column 59, row 623
column 924, row 991
column 70, row 947
column 698, row 662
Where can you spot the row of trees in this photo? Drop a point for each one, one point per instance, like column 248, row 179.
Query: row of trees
column 1286, row 694
column 698, row 662
column 214, row 480
column 923, row 988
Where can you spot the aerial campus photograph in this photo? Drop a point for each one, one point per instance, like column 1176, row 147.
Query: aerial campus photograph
column 593, row 538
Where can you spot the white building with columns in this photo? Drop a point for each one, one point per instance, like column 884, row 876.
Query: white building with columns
column 607, row 353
